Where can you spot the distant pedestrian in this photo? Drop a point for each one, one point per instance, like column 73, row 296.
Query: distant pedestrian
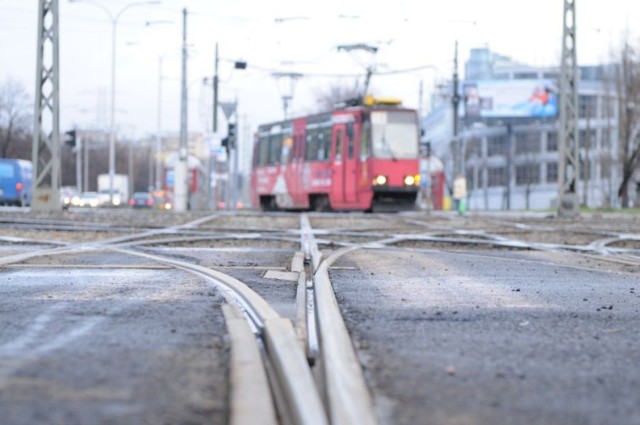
column 460, row 193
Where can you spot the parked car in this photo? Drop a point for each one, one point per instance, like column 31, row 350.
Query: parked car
column 141, row 200
column 89, row 200
column 105, row 199
column 15, row 182
column 69, row 197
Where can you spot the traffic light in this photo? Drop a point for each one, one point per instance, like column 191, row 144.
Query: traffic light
column 229, row 142
column 70, row 138
column 231, row 135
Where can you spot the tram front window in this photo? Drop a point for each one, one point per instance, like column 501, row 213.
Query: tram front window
column 394, row 134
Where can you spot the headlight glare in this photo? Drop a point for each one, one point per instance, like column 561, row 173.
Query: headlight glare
column 380, row 180
column 409, row 180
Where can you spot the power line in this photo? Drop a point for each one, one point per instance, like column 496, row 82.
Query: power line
column 340, row 75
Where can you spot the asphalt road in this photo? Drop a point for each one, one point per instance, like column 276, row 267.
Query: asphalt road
column 474, row 337
column 447, row 331
column 111, row 346
column 98, row 337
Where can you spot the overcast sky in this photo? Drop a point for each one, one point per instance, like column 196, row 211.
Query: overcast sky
column 284, row 36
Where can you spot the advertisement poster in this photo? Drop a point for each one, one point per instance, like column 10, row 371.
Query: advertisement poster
column 510, row 98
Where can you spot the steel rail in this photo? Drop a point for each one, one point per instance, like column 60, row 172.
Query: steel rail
column 293, row 386
column 23, row 241
column 345, row 389
column 301, row 400
column 346, row 393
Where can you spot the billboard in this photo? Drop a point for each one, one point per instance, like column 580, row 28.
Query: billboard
column 510, row 98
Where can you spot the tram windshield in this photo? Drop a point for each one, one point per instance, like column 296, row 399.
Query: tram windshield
column 394, row 134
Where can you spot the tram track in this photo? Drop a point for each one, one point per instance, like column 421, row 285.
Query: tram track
column 293, row 387
column 310, row 370
column 291, row 380
column 345, row 389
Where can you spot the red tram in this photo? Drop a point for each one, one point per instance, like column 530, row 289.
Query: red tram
column 362, row 157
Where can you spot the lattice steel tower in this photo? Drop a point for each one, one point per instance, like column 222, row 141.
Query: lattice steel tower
column 568, row 161
column 46, row 130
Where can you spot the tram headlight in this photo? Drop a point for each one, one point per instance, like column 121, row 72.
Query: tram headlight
column 411, row 180
column 380, row 180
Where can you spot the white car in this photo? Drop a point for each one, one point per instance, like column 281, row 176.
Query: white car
column 69, row 197
column 105, row 200
column 89, row 200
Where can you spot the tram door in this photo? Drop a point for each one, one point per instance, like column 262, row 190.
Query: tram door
column 344, row 164
column 296, row 164
column 351, row 165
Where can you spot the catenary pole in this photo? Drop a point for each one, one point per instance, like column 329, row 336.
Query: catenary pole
column 568, row 161
column 181, row 166
column 45, row 152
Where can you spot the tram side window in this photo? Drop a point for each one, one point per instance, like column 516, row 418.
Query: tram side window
column 364, row 140
column 351, row 144
column 275, row 149
column 324, row 148
column 295, row 148
column 312, row 145
column 339, row 139
column 263, row 150
column 287, row 148
column 320, row 146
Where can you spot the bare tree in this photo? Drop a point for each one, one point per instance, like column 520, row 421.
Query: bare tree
column 335, row 93
column 628, row 87
column 15, row 117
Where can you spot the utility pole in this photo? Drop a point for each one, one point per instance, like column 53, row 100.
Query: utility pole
column 46, row 130
column 229, row 109
column 420, row 101
column 510, row 155
column 85, row 164
column 158, row 179
column 458, row 165
column 79, row 146
column 236, row 154
column 215, row 91
column 130, row 168
column 568, row 161
column 214, row 128
column 180, row 189
column 587, row 162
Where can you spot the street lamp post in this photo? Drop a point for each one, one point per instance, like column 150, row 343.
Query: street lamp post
column 158, row 178
column 287, row 95
column 114, row 24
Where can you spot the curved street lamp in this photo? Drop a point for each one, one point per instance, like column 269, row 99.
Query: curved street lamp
column 114, row 22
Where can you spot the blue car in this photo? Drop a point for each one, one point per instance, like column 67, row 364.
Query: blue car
column 16, row 177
